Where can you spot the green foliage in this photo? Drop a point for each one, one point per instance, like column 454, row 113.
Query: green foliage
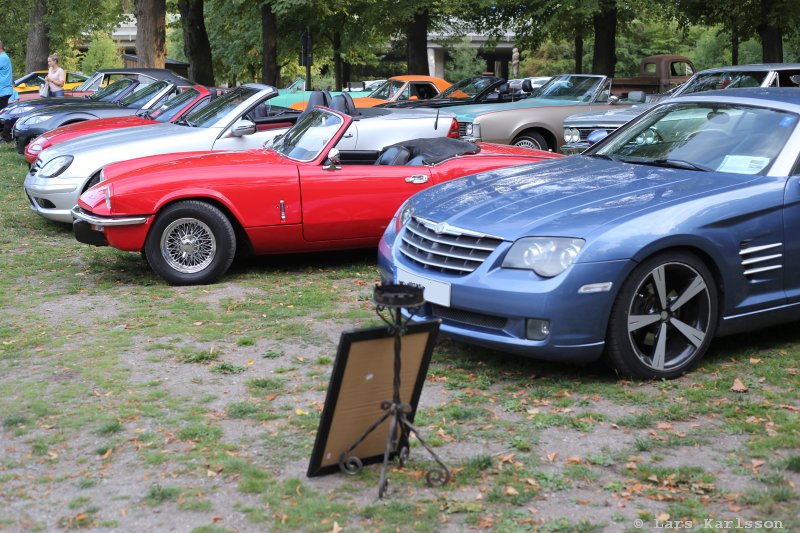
column 464, row 62
column 102, row 53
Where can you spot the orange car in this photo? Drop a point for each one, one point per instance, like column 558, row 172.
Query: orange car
column 398, row 88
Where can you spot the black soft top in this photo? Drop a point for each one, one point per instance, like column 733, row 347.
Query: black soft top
column 434, row 150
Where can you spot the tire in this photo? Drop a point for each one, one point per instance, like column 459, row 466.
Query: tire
column 531, row 139
column 206, row 247
column 664, row 317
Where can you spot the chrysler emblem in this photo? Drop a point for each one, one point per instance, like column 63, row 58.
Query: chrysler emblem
column 440, row 228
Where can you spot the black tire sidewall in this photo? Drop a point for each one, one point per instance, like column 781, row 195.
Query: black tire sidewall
column 534, row 138
column 618, row 349
column 220, row 227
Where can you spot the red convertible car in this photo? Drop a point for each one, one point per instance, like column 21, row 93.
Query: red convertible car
column 190, row 99
column 190, row 212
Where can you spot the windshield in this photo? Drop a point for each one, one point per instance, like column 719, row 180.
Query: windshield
column 570, row 87
column 305, row 140
column 713, row 81
column 213, row 112
column 387, row 90
column 169, row 109
column 469, row 88
column 732, row 138
column 138, row 98
column 112, row 92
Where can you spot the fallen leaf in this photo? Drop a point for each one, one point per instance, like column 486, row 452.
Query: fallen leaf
column 249, row 361
column 738, row 386
column 216, row 518
column 511, row 491
column 663, row 517
column 300, row 412
column 755, row 360
column 107, row 454
column 573, row 460
column 756, row 463
column 211, row 473
column 583, row 502
column 336, row 528
column 551, row 457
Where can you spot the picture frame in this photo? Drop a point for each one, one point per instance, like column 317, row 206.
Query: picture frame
column 362, row 378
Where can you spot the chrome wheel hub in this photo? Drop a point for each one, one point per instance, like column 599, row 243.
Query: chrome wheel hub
column 188, row 245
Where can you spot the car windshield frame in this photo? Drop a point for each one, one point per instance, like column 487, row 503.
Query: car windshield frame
column 109, row 92
column 564, row 87
column 387, row 90
column 470, row 88
column 712, row 136
column 724, row 79
column 138, row 98
column 302, row 141
column 221, row 107
column 167, row 111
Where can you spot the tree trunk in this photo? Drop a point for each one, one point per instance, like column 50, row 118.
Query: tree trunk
column 605, row 34
column 195, row 41
column 38, row 43
column 269, row 42
column 151, row 32
column 771, row 34
column 735, row 46
column 579, row 52
column 337, row 59
column 417, row 44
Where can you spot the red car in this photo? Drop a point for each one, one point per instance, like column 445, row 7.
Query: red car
column 190, row 99
column 190, row 212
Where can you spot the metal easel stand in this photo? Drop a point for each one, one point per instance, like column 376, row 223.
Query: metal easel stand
column 390, row 300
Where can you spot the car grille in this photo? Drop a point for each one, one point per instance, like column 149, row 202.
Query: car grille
column 468, row 317
column 586, row 131
column 450, row 250
column 462, row 128
column 37, row 165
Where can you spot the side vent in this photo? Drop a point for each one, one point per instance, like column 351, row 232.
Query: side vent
column 758, row 259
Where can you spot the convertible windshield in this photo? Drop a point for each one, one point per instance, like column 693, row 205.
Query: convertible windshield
column 572, row 87
column 731, row 138
column 213, row 112
column 387, row 90
column 305, row 140
column 713, row 81
column 174, row 105
column 468, row 88
column 141, row 96
column 110, row 93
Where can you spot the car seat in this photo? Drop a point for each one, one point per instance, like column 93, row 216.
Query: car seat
column 394, row 156
column 316, row 98
column 343, row 103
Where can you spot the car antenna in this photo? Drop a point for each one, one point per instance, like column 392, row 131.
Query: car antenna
column 436, row 122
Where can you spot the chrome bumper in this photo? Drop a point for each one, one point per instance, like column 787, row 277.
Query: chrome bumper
column 102, row 222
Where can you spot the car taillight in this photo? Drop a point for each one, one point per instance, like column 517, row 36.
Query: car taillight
column 453, row 133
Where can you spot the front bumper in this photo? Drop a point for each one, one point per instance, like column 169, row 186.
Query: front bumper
column 574, row 148
column 490, row 307
column 126, row 233
column 53, row 198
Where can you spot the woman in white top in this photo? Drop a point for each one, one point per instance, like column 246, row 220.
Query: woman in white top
column 55, row 76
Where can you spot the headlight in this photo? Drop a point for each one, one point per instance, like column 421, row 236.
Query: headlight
column 572, row 135
column 472, row 130
column 547, row 256
column 55, row 166
column 404, row 214
column 35, row 119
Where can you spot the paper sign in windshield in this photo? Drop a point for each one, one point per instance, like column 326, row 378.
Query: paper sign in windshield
column 743, row 164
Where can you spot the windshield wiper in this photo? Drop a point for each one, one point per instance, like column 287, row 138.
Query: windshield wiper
column 676, row 163
column 602, row 156
column 184, row 122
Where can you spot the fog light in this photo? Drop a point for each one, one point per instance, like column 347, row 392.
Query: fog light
column 537, row 330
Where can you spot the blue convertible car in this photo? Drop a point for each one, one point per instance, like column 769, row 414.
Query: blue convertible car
column 682, row 225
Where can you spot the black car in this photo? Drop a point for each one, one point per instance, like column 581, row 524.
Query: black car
column 475, row 90
column 48, row 118
column 109, row 85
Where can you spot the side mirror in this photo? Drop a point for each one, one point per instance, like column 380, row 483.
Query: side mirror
column 613, row 99
column 596, row 136
column 527, row 86
column 636, row 96
column 333, row 161
column 243, row 127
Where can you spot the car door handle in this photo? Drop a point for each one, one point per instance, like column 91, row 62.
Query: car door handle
column 348, row 136
column 419, row 178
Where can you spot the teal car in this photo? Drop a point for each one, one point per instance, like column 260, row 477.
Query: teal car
column 296, row 92
column 537, row 121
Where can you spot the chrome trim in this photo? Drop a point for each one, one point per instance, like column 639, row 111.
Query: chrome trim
column 755, row 249
column 593, row 288
column 762, row 269
column 760, row 259
column 102, row 222
column 444, row 228
column 283, row 210
column 449, row 242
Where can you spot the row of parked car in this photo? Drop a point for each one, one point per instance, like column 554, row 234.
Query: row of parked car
column 675, row 228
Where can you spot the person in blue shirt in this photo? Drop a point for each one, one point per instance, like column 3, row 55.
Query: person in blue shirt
column 6, row 81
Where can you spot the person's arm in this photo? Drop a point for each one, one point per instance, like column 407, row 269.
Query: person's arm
column 58, row 78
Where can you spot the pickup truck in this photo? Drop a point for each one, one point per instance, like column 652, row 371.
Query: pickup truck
column 657, row 74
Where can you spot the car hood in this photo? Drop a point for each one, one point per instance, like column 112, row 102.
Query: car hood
column 614, row 117
column 468, row 113
column 569, row 197
column 157, row 135
column 82, row 106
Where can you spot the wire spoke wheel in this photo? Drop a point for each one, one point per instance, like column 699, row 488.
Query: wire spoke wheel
column 188, row 245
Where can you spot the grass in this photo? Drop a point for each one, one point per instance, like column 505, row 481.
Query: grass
column 103, row 357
